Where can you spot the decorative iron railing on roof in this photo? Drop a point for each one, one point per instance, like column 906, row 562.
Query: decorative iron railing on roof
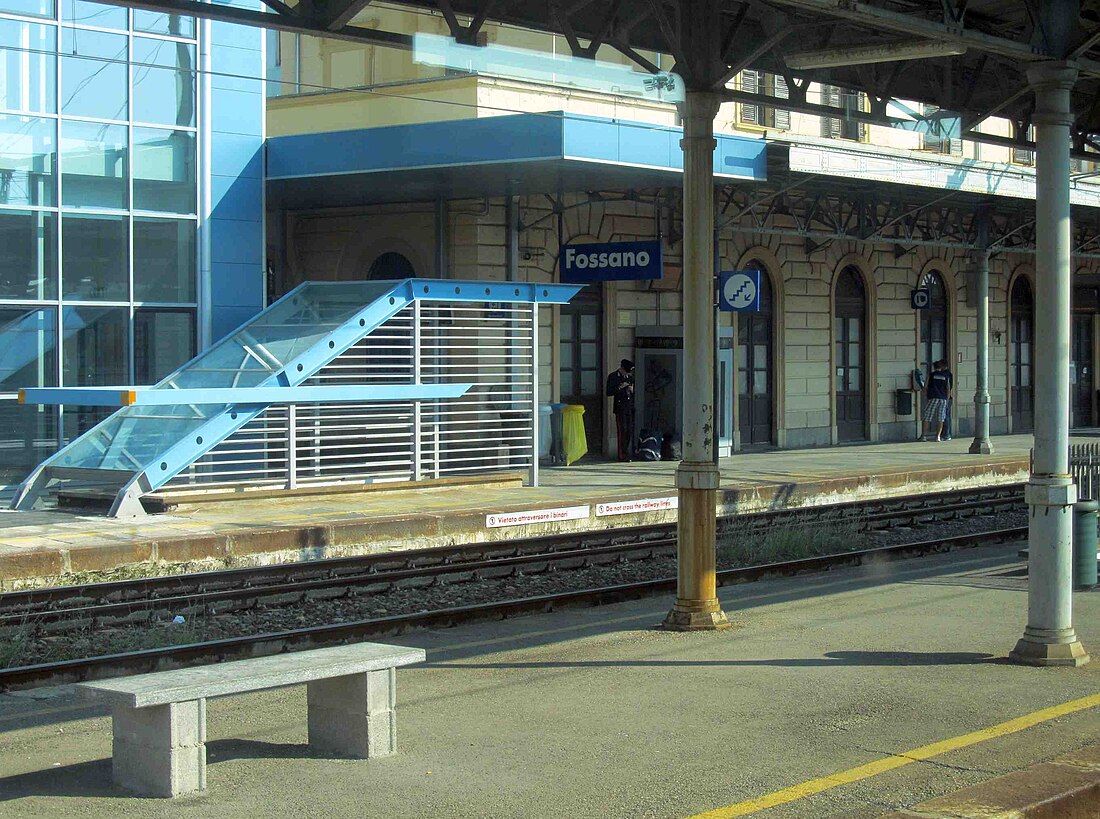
column 334, row 383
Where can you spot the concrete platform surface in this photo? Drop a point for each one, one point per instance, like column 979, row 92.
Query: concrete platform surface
column 41, row 548
column 591, row 713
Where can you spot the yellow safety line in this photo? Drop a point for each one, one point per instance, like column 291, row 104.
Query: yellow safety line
column 815, row 786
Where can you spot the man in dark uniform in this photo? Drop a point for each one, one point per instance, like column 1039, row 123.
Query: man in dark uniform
column 620, row 387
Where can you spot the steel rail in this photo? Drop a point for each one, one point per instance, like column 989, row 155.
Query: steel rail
column 236, row 648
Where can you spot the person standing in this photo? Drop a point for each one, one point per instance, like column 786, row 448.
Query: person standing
column 620, row 388
column 938, row 393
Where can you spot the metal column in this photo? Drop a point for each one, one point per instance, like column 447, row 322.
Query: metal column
column 1049, row 638
column 697, row 477
column 981, row 445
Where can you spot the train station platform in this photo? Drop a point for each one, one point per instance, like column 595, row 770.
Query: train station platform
column 852, row 693
column 52, row 547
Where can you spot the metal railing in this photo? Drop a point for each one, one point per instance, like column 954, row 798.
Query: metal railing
column 491, row 428
column 1084, row 468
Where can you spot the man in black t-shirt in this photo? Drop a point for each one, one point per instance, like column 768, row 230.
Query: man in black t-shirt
column 938, row 393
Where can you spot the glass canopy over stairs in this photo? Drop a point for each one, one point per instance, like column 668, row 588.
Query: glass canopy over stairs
column 329, row 378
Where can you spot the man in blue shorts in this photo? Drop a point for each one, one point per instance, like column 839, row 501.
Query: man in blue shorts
column 938, row 392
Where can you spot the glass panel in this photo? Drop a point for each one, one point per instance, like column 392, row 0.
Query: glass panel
column 759, row 382
column 590, row 327
column 742, row 382
column 28, row 157
column 165, row 93
column 760, row 355
column 94, row 14
column 853, row 379
column 164, row 340
column 566, row 356
column 566, row 327
column 840, row 379
column 75, row 421
column 164, row 260
column 854, row 358
column 937, row 351
column 28, row 69
column 1025, row 353
column 28, row 435
column 29, row 8
column 172, row 24
column 90, row 87
column 590, row 382
column 742, row 356
column 95, row 266
column 95, row 346
column 590, row 356
column 1025, row 376
column 853, row 329
column 28, row 348
column 288, row 329
column 93, row 165
column 164, row 170
column 28, row 255
column 566, row 382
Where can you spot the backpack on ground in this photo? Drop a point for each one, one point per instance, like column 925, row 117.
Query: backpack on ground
column 649, row 447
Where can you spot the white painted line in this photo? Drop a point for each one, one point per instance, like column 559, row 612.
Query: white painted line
column 635, row 506
column 537, row 516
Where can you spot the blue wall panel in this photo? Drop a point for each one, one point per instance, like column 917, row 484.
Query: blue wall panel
column 236, row 218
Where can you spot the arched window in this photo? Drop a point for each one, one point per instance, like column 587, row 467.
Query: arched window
column 755, row 366
column 391, row 266
column 1021, row 337
column 850, row 346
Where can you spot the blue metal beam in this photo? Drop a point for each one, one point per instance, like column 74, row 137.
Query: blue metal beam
column 149, row 397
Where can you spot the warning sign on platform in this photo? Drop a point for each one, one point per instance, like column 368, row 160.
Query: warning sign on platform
column 635, row 506
column 537, row 516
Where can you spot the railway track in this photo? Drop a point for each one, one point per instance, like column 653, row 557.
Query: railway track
column 130, row 603
column 221, row 592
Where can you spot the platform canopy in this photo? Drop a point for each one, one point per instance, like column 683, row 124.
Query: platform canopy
column 489, row 156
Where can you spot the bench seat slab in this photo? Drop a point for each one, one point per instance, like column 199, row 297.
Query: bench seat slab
column 354, row 715
column 160, row 750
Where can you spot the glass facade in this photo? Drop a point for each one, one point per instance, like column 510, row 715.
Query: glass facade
column 98, row 209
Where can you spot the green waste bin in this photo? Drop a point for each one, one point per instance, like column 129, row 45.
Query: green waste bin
column 576, row 444
column 1084, row 544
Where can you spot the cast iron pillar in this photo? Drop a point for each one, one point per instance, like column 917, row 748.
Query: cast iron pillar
column 981, row 444
column 697, row 606
column 1049, row 638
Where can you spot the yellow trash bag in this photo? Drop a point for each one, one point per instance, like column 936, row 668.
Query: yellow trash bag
column 572, row 433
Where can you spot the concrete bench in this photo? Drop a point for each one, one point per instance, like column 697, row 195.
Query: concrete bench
column 159, row 719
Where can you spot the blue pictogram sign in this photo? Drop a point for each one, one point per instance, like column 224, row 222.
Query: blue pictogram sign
column 739, row 291
column 611, row 261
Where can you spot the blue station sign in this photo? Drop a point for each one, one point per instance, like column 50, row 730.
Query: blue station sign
column 739, row 291
column 611, row 261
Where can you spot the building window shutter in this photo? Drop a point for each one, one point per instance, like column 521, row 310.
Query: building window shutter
column 750, row 84
column 830, row 126
column 782, row 116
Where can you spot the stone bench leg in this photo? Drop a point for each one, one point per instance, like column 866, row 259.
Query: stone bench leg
column 354, row 715
column 161, row 750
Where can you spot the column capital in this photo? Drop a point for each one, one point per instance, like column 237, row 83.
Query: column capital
column 1049, row 81
column 699, row 106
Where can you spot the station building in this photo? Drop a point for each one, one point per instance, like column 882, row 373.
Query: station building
column 143, row 218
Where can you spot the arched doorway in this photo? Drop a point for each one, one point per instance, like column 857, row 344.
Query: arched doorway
column 755, row 366
column 1021, row 337
column 934, row 326
column 850, row 345
column 391, row 265
column 1086, row 304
